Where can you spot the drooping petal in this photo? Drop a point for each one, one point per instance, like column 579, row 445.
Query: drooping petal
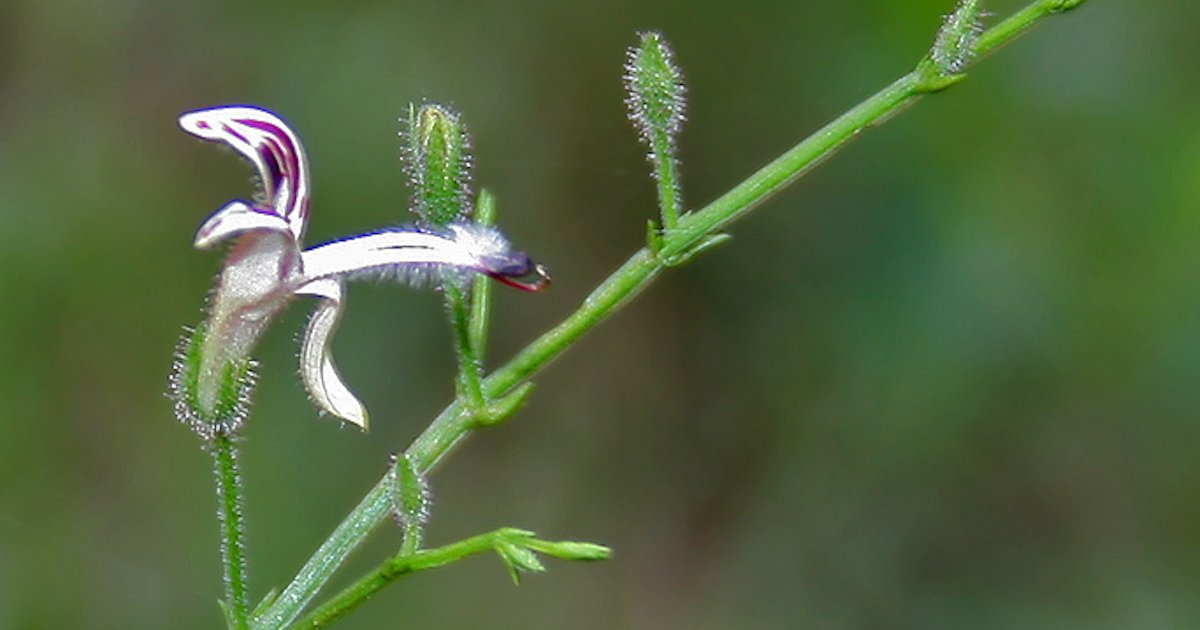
column 271, row 147
column 234, row 218
column 320, row 375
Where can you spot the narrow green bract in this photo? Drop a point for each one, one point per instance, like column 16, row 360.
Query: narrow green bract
column 438, row 161
column 410, row 502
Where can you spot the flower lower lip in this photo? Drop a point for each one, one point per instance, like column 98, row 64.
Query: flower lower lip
column 541, row 280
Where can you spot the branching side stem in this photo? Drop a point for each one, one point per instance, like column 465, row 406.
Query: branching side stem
column 394, row 568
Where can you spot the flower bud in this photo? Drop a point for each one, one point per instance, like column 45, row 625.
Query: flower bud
column 438, row 161
column 955, row 44
column 656, row 107
column 656, row 91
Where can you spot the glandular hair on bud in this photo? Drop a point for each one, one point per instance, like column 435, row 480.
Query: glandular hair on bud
column 236, row 389
column 656, row 92
column 955, row 44
column 437, row 159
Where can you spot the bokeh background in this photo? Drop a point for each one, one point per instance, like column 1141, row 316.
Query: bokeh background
column 949, row 379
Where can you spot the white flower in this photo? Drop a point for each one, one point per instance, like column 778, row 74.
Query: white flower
column 266, row 266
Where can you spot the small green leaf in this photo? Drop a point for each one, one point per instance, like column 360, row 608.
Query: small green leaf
column 518, row 559
column 572, row 550
column 410, row 501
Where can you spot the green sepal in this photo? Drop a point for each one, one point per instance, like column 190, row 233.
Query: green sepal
column 234, row 395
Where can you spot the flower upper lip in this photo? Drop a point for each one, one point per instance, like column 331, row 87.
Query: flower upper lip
column 272, row 147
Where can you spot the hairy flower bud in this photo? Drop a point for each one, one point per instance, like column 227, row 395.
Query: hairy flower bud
column 955, row 44
column 656, row 97
column 656, row 108
column 438, row 161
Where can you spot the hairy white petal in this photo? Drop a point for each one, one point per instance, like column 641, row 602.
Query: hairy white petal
column 479, row 242
column 317, row 370
column 384, row 250
column 234, row 218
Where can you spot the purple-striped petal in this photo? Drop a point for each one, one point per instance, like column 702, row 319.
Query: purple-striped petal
column 270, row 145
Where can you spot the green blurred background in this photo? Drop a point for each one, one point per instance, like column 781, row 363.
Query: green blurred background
column 947, row 380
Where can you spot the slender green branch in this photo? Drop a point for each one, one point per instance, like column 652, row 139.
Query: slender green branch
column 627, row 281
column 394, row 568
column 229, row 511
column 1019, row 22
column 515, row 547
column 667, row 176
column 469, row 387
column 785, row 169
column 481, row 293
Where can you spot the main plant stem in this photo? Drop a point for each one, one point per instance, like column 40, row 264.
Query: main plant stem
column 449, row 428
column 229, row 512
